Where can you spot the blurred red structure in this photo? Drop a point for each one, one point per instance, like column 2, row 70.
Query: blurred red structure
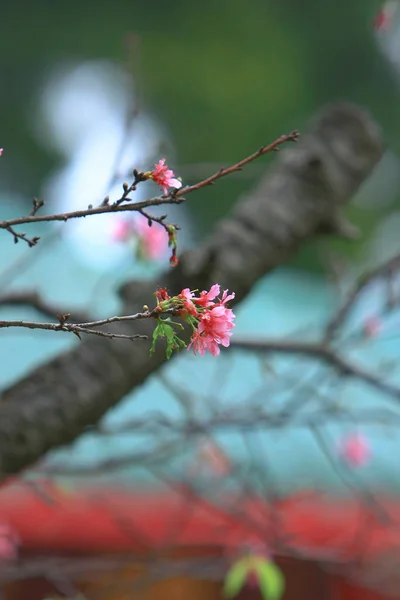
column 327, row 547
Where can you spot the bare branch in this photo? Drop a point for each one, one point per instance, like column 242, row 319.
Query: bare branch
column 340, row 317
column 34, row 300
column 89, row 328
column 301, row 196
column 291, row 137
column 324, row 353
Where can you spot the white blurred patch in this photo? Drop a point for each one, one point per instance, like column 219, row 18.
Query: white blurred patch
column 83, row 115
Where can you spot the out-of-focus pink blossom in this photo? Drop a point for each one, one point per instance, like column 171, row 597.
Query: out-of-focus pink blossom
column 372, row 327
column 153, row 240
column 164, row 176
column 1, row 151
column 186, row 296
column 354, row 449
column 122, row 230
column 384, row 18
column 211, row 455
column 9, row 542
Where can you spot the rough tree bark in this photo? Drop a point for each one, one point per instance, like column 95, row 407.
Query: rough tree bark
column 300, row 196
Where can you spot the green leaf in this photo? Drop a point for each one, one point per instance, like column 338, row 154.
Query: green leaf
column 163, row 329
column 271, row 580
column 156, row 334
column 236, row 578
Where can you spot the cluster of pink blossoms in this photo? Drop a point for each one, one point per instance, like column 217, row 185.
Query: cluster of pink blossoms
column 164, row 176
column 209, row 317
column 215, row 320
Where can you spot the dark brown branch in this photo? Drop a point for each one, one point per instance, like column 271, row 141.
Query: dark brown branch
column 120, row 205
column 301, row 195
column 100, row 210
column 90, row 328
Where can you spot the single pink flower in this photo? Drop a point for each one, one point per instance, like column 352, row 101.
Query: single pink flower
column 1, row 151
column 153, row 240
column 164, row 177
column 214, row 329
column 355, row 450
column 206, row 298
column 226, row 298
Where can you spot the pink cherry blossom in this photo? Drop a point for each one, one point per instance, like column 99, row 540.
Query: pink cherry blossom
column 1, row 151
column 214, row 328
column 186, row 296
column 201, row 343
column 226, row 298
column 164, row 177
column 153, row 240
column 206, row 298
column 122, row 230
column 354, row 449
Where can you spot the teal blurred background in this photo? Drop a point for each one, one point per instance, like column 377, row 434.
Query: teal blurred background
column 90, row 90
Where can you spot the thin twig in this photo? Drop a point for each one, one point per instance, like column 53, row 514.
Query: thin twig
column 293, row 136
column 90, row 327
column 100, row 210
column 34, row 300
column 340, row 317
column 324, row 353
